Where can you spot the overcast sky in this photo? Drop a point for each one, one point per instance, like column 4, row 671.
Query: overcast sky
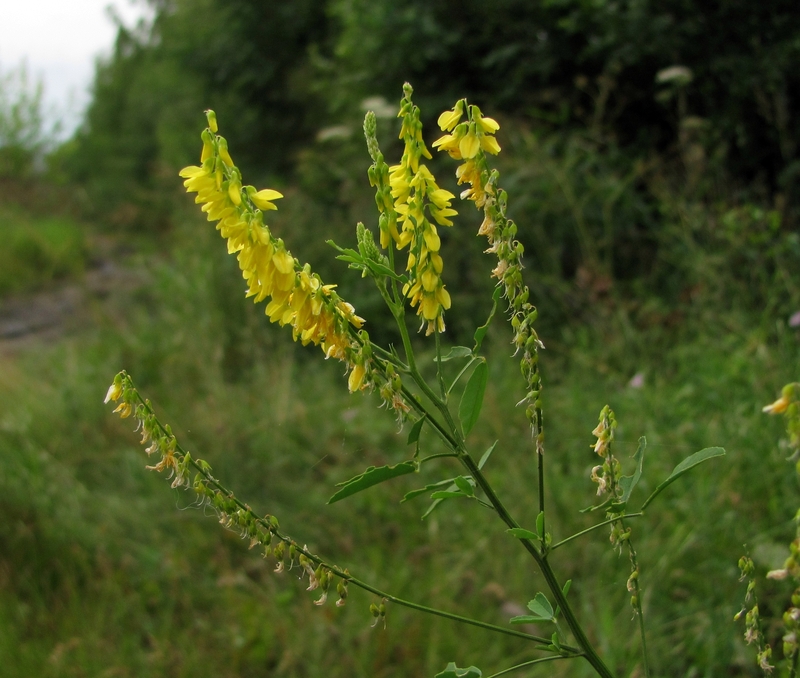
column 60, row 40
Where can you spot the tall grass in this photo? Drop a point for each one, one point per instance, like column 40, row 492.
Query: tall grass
column 105, row 571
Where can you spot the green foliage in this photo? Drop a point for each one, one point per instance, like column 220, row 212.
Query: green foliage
column 38, row 250
column 104, row 576
column 24, row 137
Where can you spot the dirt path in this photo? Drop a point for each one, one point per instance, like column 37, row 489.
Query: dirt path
column 43, row 316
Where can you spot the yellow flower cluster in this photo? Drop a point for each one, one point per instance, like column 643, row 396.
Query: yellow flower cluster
column 297, row 296
column 414, row 191
column 464, row 141
column 470, row 141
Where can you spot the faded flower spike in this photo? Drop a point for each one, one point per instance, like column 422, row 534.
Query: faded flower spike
column 297, row 296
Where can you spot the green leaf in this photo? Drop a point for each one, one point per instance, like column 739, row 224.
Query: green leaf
column 472, row 400
column 689, row 463
column 379, row 269
column 413, row 434
column 431, row 508
column 522, row 533
column 480, row 333
column 464, row 485
column 426, row 489
column 372, row 476
column 627, row 483
column 567, row 586
column 452, row 671
column 447, row 494
column 541, row 607
column 456, row 352
column 606, row 504
column 487, row 454
column 540, row 524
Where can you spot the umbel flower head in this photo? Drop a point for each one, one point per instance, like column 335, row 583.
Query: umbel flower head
column 297, row 296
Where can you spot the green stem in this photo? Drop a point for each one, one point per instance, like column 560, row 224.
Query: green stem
column 437, row 456
column 541, row 660
column 590, row 529
column 336, row 570
column 561, row 600
column 439, row 373
column 637, row 592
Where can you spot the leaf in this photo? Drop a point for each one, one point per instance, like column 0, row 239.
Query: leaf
column 413, row 434
column 464, row 485
column 431, row 508
column 487, row 454
column 522, row 533
column 447, row 494
column 540, row 524
column 541, row 607
column 372, row 476
column 452, row 671
column 689, row 463
column 472, row 400
column 426, row 489
column 378, row 269
column 606, row 504
column 480, row 333
column 456, row 352
column 627, row 483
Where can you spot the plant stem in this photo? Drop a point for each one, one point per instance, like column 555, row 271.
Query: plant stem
column 561, row 600
column 437, row 456
column 541, row 660
column 590, row 529
column 637, row 592
column 343, row 574
column 439, row 373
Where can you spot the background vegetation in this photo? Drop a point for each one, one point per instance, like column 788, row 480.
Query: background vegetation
column 659, row 213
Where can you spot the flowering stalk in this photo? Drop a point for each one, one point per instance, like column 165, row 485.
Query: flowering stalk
column 469, row 141
column 410, row 201
column 263, row 532
column 297, row 296
column 788, row 404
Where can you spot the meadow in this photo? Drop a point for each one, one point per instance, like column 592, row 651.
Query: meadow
column 664, row 265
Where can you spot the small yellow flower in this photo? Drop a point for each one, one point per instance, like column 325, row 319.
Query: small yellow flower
column 449, row 119
column 114, row 391
column 778, row 407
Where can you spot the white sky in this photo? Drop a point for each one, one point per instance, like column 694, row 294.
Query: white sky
column 60, row 40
